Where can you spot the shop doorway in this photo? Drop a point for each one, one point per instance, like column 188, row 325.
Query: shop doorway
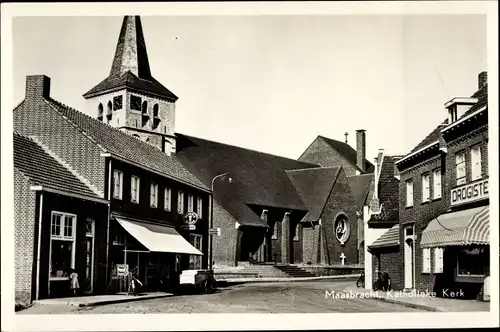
column 88, row 286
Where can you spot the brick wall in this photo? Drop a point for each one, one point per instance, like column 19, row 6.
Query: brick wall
column 24, row 240
column 34, row 117
column 224, row 247
column 388, row 260
column 319, row 152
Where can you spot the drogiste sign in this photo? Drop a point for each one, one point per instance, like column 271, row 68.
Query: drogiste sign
column 469, row 192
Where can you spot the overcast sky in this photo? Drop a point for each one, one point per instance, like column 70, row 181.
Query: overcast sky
column 273, row 83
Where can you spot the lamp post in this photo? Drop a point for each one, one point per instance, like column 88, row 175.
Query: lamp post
column 212, row 216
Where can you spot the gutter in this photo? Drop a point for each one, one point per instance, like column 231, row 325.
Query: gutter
column 464, row 118
column 67, row 193
column 416, row 152
column 39, row 246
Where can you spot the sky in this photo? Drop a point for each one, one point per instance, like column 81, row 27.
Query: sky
column 274, row 83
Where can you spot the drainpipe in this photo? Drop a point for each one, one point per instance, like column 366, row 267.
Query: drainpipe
column 39, row 245
column 109, row 220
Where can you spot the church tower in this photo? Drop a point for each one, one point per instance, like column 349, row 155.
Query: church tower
column 130, row 99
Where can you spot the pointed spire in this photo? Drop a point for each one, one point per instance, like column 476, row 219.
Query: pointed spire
column 131, row 54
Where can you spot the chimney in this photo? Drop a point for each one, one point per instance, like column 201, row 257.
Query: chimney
column 361, row 149
column 37, row 86
column 482, row 80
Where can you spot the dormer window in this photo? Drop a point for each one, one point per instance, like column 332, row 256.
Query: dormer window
column 458, row 106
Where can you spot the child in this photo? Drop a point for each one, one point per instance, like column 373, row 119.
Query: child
column 73, row 278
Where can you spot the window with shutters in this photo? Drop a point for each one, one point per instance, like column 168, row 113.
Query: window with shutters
column 475, row 156
column 460, row 167
column 134, row 189
column 180, row 202
column 409, row 193
column 190, row 203
column 438, row 260
column 425, row 187
column 426, row 260
column 117, row 184
column 199, row 207
column 436, row 193
column 153, row 195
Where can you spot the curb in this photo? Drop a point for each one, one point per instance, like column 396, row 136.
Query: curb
column 408, row 304
column 132, row 299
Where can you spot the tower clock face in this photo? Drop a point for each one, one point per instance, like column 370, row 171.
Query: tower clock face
column 135, row 102
column 117, row 103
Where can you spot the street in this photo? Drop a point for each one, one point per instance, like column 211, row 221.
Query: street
column 292, row 297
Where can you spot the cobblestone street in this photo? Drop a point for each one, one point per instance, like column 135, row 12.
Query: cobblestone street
column 296, row 297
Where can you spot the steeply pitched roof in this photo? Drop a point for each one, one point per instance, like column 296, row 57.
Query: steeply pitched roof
column 360, row 186
column 127, row 147
column 130, row 68
column 258, row 178
column 314, row 186
column 432, row 137
column 388, row 239
column 347, row 152
column 42, row 169
column 388, row 192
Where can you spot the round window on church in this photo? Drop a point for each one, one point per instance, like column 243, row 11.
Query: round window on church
column 342, row 229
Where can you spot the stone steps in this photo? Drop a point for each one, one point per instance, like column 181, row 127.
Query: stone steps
column 294, row 271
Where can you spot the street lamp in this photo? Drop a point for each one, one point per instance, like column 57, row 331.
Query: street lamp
column 212, row 216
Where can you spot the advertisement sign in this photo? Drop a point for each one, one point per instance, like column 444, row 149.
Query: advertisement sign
column 190, row 218
column 469, row 192
column 122, row 269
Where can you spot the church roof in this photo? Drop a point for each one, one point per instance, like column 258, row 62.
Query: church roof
column 36, row 164
column 360, row 186
column 347, row 152
column 130, row 68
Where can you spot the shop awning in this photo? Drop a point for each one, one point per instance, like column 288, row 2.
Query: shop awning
column 388, row 239
column 471, row 226
column 158, row 238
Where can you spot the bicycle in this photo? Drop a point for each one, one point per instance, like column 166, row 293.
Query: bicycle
column 383, row 282
column 361, row 280
column 132, row 288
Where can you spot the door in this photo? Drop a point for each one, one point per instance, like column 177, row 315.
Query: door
column 409, row 256
column 89, row 256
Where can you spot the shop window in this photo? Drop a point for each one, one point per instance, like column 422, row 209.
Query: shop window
column 426, row 260
column 134, row 189
column 190, row 203
column 469, row 262
column 475, row 156
column 62, row 246
column 425, row 187
column 275, row 231
column 167, row 204
column 180, row 202
column 135, row 103
column 195, row 260
column 409, row 193
column 460, row 167
column 199, row 207
column 436, row 193
column 153, row 199
column 438, row 260
column 117, row 103
column 117, row 184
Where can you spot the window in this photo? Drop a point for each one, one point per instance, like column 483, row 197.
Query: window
column 436, row 193
column 195, row 260
column 470, row 262
column 144, row 108
column 409, row 193
column 199, row 207
column 117, row 103
column 153, row 195
column 109, row 114
column 167, row 204
column 100, row 112
column 89, row 252
column 134, row 189
column 275, row 231
column 135, row 103
column 190, row 203
column 426, row 260
column 296, row 235
column 460, row 167
column 475, row 156
column 425, row 187
column 180, row 202
column 62, row 244
column 155, row 110
column 438, row 260
column 117, row 184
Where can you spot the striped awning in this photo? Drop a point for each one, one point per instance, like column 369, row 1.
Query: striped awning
column 388, row 239
column 471, row 226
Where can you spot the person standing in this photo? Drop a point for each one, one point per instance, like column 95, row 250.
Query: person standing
column 74, row 284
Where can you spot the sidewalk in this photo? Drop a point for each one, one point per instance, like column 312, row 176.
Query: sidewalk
column 428, row 303
column 91, row 301
column 286, row 279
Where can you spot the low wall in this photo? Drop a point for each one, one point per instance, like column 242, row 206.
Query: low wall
column 332, row 270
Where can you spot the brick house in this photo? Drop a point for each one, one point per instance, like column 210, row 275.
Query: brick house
column 146, row 193
column 443, row 241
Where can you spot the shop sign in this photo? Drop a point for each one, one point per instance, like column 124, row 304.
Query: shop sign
column 190, row 227
column 190, row 218
column 121, row 269
column 469, row 192
column 214, row 231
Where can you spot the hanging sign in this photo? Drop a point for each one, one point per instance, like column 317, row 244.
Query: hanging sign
column 121, row 269
column 190, row 218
